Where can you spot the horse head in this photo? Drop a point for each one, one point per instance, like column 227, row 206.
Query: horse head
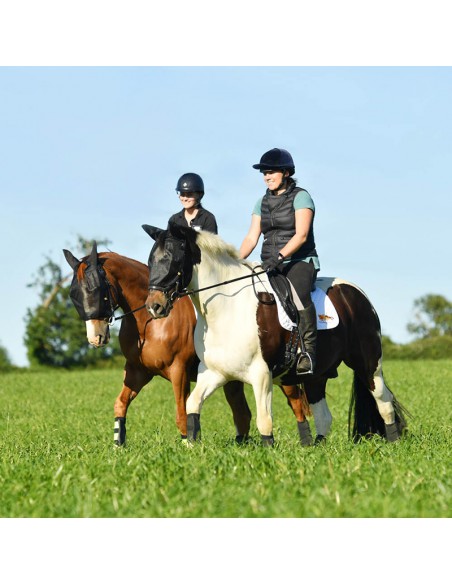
column 91, row 295
column 170, row 264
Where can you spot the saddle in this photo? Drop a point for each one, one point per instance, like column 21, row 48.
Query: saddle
column 281, row 287
column 327, row 318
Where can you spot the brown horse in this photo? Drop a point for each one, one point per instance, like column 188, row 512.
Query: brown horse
column 238, row 335
column 105, row 281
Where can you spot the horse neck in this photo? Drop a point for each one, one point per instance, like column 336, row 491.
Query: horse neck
column 214, row 270
column 129, row 280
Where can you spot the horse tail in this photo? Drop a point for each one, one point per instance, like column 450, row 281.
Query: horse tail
column 364, row 415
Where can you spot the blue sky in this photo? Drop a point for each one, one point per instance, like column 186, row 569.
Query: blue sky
column 97, row 151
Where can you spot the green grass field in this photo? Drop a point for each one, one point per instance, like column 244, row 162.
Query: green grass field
column 57, row 457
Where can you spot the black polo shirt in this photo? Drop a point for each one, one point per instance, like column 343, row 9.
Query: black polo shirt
column 204, row 220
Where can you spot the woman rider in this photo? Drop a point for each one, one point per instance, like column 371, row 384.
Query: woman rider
column 190, row 188
column 285, row 216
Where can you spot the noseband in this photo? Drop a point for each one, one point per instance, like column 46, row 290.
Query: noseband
column 171, row 293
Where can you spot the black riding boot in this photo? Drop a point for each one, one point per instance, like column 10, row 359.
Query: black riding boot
column 307, row 326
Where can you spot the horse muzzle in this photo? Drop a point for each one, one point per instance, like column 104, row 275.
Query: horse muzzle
column 98, row 333
column 158, row 304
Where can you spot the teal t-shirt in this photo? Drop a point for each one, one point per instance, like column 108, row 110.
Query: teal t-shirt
column 302, row 200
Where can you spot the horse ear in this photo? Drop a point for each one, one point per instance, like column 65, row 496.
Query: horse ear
column 153, row 232
column 71, row 259
column 179, row 231
column 93, row 255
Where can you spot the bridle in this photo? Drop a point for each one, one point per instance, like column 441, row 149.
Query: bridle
column 172, row 293
column 110, row 319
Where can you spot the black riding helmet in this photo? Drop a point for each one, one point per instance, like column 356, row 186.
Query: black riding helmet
column 190, row 182
column 276, row 159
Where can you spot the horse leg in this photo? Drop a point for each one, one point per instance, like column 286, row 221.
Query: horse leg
column 262, row 383
column 235, row 396
column 296, row 398
column 134, row 380
column 316, row 391
column 179, row 377
column 385, row 405
column 375, row 409
column 206, row 383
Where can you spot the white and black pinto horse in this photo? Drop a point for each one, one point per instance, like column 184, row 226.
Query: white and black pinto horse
column 238, row 335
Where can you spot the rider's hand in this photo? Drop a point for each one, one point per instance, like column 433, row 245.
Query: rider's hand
column 272, row 263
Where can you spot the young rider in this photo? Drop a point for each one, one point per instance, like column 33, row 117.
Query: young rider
column 190, row 188
column 285, row 216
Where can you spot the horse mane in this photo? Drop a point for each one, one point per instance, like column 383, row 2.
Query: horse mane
column 215, row 246
column 113, row 255
column 135, row 265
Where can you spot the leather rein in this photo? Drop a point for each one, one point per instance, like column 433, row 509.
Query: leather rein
column 176, row 294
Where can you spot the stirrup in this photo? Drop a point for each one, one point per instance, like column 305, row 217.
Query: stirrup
column 311, row 368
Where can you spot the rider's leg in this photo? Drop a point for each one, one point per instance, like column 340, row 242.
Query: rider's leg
column 302, row 276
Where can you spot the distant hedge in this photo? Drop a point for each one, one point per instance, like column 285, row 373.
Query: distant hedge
column 439, row 347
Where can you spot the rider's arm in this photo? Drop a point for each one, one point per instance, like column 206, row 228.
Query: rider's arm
column 252, row 237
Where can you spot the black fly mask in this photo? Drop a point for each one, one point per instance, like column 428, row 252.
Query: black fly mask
column 169, row 267
column 91, row 296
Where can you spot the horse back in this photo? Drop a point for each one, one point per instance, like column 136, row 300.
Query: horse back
column 361, row 326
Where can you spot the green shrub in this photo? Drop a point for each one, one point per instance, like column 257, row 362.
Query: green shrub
column 437, row 347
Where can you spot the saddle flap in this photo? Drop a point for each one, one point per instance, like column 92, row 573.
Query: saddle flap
column 281, row 288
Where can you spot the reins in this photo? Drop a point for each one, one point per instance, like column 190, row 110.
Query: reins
column 185, row 292
column 190, row 292
column 114, row 318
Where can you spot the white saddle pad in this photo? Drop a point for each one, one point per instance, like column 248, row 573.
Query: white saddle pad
column 327, row 317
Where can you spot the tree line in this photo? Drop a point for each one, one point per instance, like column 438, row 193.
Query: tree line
column 56, row 337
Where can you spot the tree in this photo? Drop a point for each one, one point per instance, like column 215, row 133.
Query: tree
column 5, row 361
column 432, row 316
column 55, row 335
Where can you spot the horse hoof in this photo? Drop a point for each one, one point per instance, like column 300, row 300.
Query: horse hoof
column 319, row 439
column 187, row 443
column 304, row 430
column 267, row 440
column 241, row 439
column 392, row 432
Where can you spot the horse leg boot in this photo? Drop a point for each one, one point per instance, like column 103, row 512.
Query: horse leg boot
column 307, row 326
column 193, row 427
column 120, row 431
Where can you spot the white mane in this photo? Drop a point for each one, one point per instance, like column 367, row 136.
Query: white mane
column 215, row 246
